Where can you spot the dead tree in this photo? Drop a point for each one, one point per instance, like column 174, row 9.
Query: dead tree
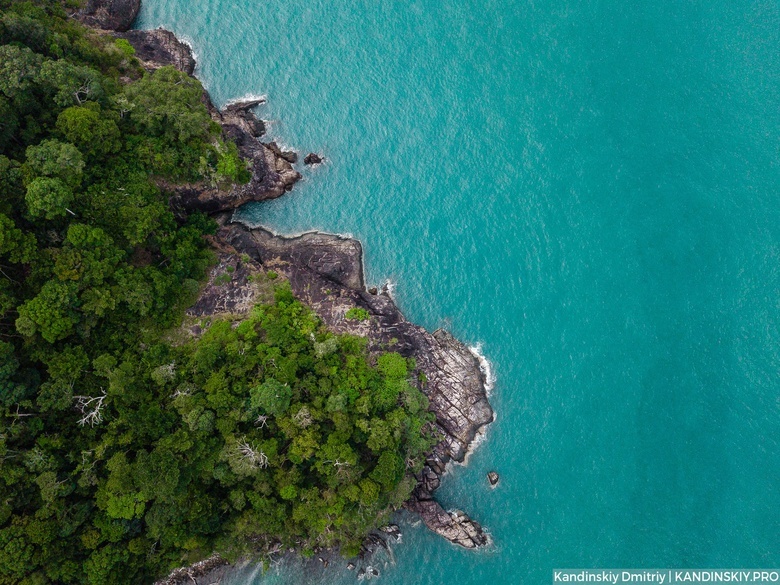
column 91, row 407
column 251, row 455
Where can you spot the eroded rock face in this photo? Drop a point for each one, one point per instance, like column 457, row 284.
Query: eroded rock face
column 326, row 272
column 272, row 175
column 158, row 48
column 115, row 15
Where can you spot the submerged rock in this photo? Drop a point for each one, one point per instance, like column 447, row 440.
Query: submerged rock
column 493, row 478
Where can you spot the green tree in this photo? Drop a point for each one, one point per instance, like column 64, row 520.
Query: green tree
column 48, row 198
column 91, row 131
column 271, row 397
column 55, row 159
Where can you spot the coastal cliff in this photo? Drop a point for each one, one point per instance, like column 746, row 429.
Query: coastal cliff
column 326, row 272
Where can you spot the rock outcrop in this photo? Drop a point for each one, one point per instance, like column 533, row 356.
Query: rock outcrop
column 272, row 173
column 160, row 47
column 326, row 272
column 271, row 168
column 115, row 15
column 312, row 159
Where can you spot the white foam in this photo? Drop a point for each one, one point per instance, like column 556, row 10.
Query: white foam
column 390, row 286
column 479, row 438
column 485, row 367
column 187, row 41
column 250, row 97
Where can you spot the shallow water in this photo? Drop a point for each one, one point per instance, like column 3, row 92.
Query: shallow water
column 589, row 188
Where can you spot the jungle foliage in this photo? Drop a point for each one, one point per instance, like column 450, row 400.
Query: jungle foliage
column 123, row 454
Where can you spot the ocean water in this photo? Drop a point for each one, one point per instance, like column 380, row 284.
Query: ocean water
column 590, row 189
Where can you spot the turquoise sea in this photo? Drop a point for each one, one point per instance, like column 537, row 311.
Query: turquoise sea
column 590, row 189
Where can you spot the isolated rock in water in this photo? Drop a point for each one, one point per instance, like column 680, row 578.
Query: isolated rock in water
column 312, row 159
column 160, row 47
column 115, row 15
column 493, row 478
column 350, row 566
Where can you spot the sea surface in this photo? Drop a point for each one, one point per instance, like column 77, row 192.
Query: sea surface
column 590, row 190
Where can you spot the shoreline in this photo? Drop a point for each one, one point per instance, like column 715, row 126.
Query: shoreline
column 326, row 272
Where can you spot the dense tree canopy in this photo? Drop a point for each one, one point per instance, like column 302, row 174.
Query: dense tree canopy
column 122, row 452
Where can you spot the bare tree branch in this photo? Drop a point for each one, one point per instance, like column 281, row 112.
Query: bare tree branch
column 92, row 409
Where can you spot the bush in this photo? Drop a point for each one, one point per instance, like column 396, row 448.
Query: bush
column 357, row 314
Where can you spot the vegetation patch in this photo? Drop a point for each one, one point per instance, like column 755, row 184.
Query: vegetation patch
column 125, row 450
column 357, row 314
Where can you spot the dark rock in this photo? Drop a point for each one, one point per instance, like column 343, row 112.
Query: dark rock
column 272, row 174
column 361, row 573
column 289, row 155
column 374, row 572
column 160, row 47
column 350, row 566
column 115, row 15
column 454, row 526
column 372, row 290
column 493, row 478
column 237, row 296
column 242, row 115
column 312, row 159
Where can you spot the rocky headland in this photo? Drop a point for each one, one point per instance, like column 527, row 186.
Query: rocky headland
column 325, row 271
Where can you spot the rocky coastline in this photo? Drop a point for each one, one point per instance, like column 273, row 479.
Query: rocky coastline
column 325, row 271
